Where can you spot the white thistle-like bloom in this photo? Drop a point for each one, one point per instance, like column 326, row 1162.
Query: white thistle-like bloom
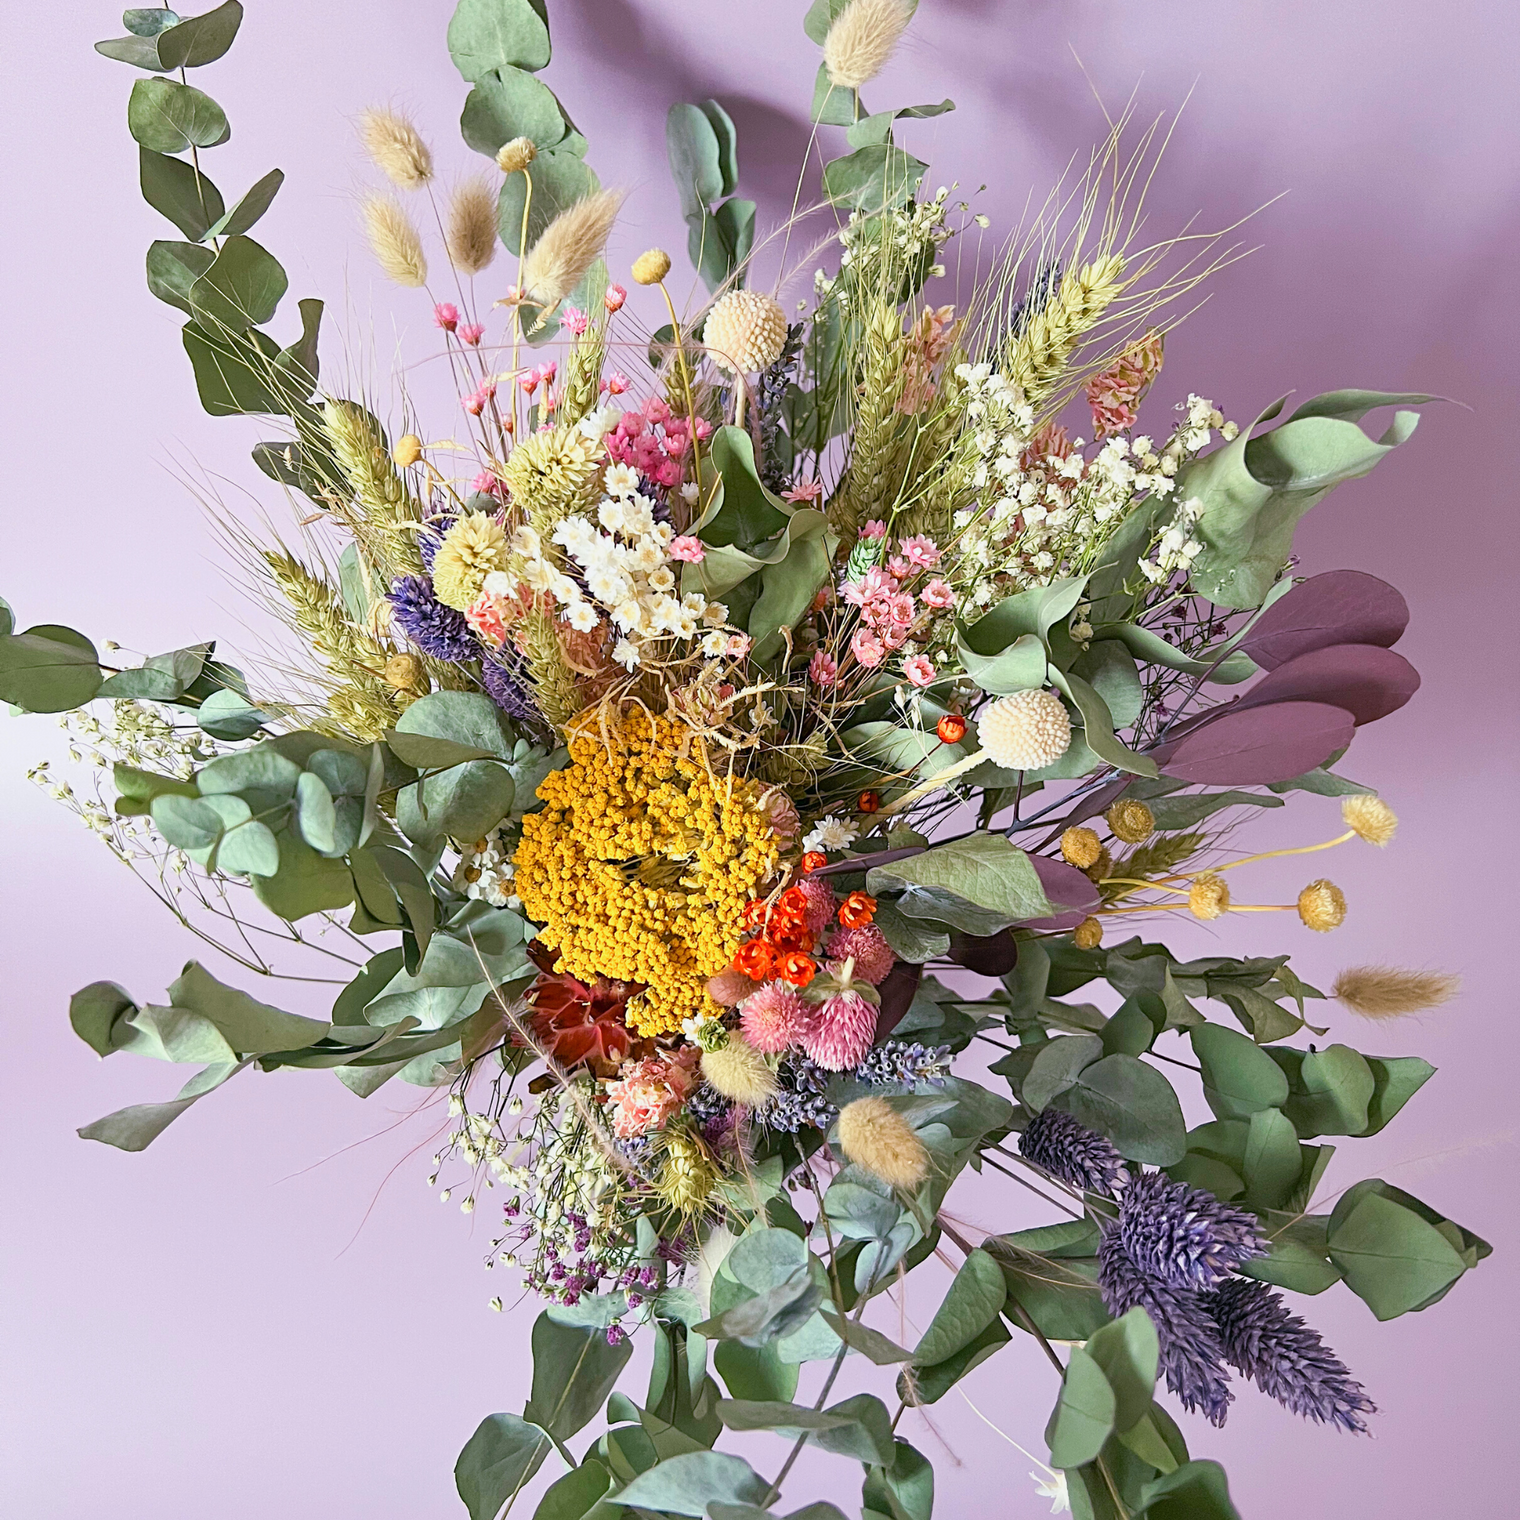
column 831, row 833
column 1025, row 731
column 745, row 331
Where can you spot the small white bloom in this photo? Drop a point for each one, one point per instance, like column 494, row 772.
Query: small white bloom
column 539, row 575
column 1053, row 1487
column 714, row 643
column 626, row 654
column 638, row 516
column 621, row 480
column 609, row 587
column 831, row 833
column 499, row 583
column 610, row 513
column 524, row 541
column 690, row 491
column 662, row 580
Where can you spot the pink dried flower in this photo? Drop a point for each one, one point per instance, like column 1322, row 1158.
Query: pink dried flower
column 528, row 380
column 739, row 645
column 548, row 370
column 919, row 669
column 704, row 428
column 729, row 987
column 614, row 298
column 820, row 903
column 774, row 1018
column 876, row 528
column 471, row 333
column 867, row 648
column 868, row 947
column 921, row 551
column 841, row 1032
column 687, row 549
column 899, row 568
column 937, row 594
column 615, row 384
column 808, row 491
column 650, row 1091
column 475, row 402
column 487, row 484
column 823, row 668
column 655, row 409
column 1050, row 442
column 574, row 320
column 873, row 585
column 780, row 813
column 446, row 315
column 1115, row 395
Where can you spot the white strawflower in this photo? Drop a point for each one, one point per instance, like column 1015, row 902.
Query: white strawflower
column 1025, row 731
column 745, row 331
column 830, row 833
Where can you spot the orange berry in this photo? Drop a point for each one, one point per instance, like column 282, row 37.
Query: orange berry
column 951, row 728
column 869, row 801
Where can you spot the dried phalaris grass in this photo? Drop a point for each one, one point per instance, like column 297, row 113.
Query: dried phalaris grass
column 1390, row 992
column 396, row 148
column 568, row 247
column 395, row 241
column 470, row 230
column 862, row 39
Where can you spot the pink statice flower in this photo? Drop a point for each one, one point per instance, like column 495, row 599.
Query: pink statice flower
column 876, row 528
column 471, row 333
column 841, row 1032
column 823, row 668
column 1115, row 395
column 805, row 491
column 898, row 568
column 867, row 648
column 937, row 594
column 920, row 552
column 485, row 618
column 774, row 1018
column 919, row 669
column 574, row 320
column 649, row 1092
column 614, row 298
column 446, row 315
column 688, row 549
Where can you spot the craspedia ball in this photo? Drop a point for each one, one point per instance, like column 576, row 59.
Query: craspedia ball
column 1081, row 847
column 1208, row 897
column 1026, row 730
column 514, row 156
column 407, row 450
column 651, row 267
column 1088, row 935
column 745, row 331
column 1131, row 821
column 1322, row 906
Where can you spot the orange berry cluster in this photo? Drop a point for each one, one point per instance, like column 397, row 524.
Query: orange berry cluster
column 781, row 945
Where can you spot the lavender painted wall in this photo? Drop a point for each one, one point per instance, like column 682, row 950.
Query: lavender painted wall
column 268, row 1313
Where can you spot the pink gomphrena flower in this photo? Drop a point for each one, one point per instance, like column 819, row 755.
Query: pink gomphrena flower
column 937, row 594
column 614, row 298
column 899, row 568
column 867, row 648
column 841, row 1032
column 773, row 1018
column 739, row 645
column 471, row 333
column 574, row 320
column 820, row 903
column 876, row 528
column 808, row 491
column 919, row 669
column 920, row 551
column 615, row 384
column 688, row 549
column 867, row 947
column 823, row 668
column 446, row 315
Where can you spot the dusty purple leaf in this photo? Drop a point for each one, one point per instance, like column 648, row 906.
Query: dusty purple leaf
column 1068, row 889
column 986, row 954
column 897, row 992
column 1367, row 680
column 1252, row 746
column 1338, row 607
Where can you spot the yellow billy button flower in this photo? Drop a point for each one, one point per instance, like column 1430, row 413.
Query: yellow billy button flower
column 1081, row 847
column 651, row 267
column 1131, row 821
column 1208, row 896
column 1322, row 906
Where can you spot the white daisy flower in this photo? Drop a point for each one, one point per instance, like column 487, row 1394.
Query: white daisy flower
column 626, row 654
column 831, row 833
column 621, row 480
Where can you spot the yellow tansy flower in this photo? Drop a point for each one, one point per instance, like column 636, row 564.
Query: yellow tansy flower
column 641, row 862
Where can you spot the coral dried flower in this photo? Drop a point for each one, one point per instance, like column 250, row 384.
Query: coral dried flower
column 857, row 910
column 755, row 959
column 951, row 728
column 797, row 969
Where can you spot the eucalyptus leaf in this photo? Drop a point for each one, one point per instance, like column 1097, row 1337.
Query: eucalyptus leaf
column 982, row 869
column 202, row 39
column 496, row 1462
column 179, row 191
column 165, row 116
column 488, row 35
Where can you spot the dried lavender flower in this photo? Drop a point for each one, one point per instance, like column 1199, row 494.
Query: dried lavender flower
column 1070, row 1151
column 1183, row 1235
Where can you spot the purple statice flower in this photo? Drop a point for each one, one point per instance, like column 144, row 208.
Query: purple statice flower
column 1284, row 1357
column 506, row 691
column 1191, row 1350
column 1076, row 1155
column 1183, row 1235
column 435, row 629
column 904, row 1063
column 431, row 538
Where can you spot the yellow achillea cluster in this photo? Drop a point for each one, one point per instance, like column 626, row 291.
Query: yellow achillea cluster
column 640, row 864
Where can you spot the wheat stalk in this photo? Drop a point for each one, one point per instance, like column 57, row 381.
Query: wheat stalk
column 383, row 512
column 1042, row 350
column 869, row 481
column 554, row 683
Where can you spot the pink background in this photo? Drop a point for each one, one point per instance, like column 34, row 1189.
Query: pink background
column 268, row 1313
